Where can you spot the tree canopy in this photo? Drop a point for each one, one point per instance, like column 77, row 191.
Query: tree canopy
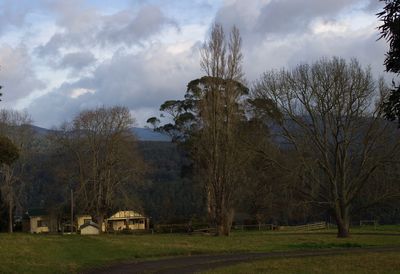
column 338, row 138
column 8, row 151
column 390, row 31
column 207, row 121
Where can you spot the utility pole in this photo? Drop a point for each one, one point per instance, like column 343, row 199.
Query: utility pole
column 72, row 210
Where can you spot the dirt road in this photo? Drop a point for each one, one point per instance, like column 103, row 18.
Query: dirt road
column 197, row 263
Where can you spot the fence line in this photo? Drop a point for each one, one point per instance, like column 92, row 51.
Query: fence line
column 173, row 228
column 255, row 227
column 313, row 226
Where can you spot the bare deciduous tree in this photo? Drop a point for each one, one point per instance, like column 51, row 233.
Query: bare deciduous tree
column 105, row 158
column 17, row 127
column 330, row 119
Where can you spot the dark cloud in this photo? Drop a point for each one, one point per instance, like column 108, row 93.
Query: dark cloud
column 288, row 16
column 280, row 17
column 280, row 33
column 144, row 71
column 52, row 47
column 77, row 60
column 139, row 81
column 87, row 28
column 56, row 107
column 127, row 29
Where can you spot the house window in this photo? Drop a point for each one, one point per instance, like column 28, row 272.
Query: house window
column 41, row 223
column 136, row 221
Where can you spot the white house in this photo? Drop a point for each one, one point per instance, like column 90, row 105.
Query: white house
column 128, row 219
column 39, row 221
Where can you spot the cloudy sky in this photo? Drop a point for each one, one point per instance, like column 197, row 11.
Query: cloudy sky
column 58, row 57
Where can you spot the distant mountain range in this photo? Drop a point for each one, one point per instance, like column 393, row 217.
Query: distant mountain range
column 143, row 134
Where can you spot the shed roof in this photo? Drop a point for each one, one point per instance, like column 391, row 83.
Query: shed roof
column 90, row 224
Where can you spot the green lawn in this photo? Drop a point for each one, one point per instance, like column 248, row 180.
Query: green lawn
column 387, row 263
column 24, row 253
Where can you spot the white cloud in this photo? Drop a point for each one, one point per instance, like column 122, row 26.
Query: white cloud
column 75, row 93
column 13, row 14
column 79, row 54
column 17, row 75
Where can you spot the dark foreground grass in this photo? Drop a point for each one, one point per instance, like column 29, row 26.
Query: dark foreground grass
column 387, row 263
column 24, row 253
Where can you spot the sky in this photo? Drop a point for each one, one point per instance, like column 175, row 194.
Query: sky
column 59, row 57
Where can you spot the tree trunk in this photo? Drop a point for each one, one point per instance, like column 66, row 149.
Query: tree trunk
column 100, row 221
column 223, row 229
column 224, row 222
column 228, row 219
column 342, row 221
column 210, row 209
column 10, row 217
column 220, row 230
column 343, row 230
column 219, row 220
column 226, row 229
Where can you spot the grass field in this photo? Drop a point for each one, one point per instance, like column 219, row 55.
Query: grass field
column 24, row 253
column 387, row 263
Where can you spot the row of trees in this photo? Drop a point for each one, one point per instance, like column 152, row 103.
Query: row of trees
column 318, row 124
column 307, row 140
column 95, row 155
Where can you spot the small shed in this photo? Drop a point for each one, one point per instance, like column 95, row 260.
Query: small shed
column 90, row 228
column 83, row 219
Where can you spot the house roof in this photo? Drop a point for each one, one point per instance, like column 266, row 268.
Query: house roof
column 90, row 224
column 126, row 214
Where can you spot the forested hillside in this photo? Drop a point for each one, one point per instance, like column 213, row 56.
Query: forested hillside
column 170, row 193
